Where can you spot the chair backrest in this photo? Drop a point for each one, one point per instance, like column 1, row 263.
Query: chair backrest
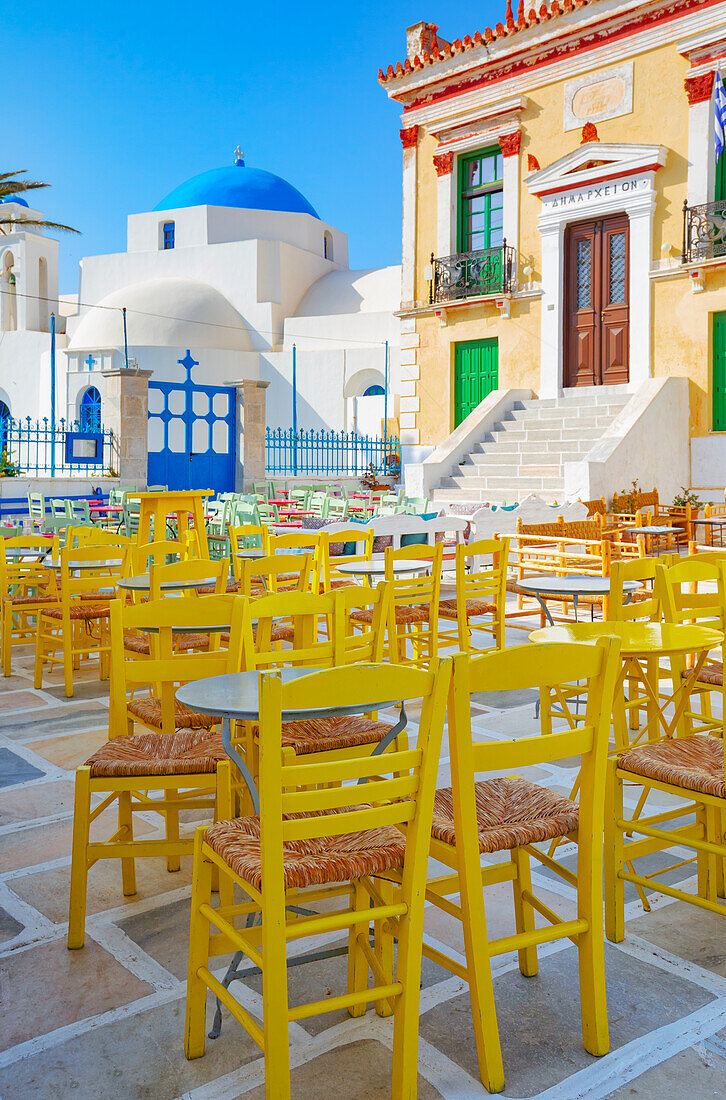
column 318, row 504
column 267, row 512
column 78, row 510
column 309, row 647
column 423, row 589
column 263, row 576
column 191, row 574
column 630, row 503
column 36, row 506
column 693, row 590
column 343, row 538
column 293, row 540
column 337, row 508
column 102, row 567
column 242, row 512
column 142, row 557
column 643, row 570
column 544, row 666
column 476, row 578
column 21, row 562
column 597, row 507
column 367, row 642
column 131, row 514
column 58, row 508
column 164, row 668
column 89, row 535
column 261, row 488
column 248, row 536
column 399, row 786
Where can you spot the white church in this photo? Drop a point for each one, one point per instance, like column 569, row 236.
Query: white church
column 217, row 283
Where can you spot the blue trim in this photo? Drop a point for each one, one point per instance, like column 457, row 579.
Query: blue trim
column 374, row 391
column 169, row 231
column 90, row 411
column 75, row 460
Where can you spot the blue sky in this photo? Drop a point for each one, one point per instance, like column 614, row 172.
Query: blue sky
column 116, row 104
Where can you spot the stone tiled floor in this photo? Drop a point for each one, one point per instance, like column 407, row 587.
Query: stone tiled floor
column 106, row 1022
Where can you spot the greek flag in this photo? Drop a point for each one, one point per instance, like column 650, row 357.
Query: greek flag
column 720, row 114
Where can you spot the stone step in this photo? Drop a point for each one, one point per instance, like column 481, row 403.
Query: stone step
column 567, row 413
column 514, row 484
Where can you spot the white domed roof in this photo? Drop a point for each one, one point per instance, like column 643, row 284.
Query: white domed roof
column 375, row 290
column 164, row 313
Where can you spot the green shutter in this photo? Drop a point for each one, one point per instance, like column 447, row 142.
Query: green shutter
column 719, row 372
column 476, row 374
column 720, row 188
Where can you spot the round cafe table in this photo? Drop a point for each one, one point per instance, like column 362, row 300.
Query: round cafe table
column 549, row 587
column 711, row 525
column 642, row 647
column 375, row 568
column 142, row 583
column 658, row 531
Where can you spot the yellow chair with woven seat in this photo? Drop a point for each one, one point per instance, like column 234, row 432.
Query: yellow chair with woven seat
column 322, row 839
column 508, row 817
column 246, row 536
column 480, row 591
column 84, row 601
column 189, row 576
column 96, row 536
column 688, row 767
column 276, row 573
column 26, row 585
column 361, row 538
column 182, row 761
column 413, row 614
column 142, row 557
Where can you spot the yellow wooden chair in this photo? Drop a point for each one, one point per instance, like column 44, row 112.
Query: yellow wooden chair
column 276, row 573
column 509, row 817
column 198, row 576
column 161, row 573
column 84, row 603
column 413, row 615
column 246, row 536
column 480, row 591
column 688, row 766
column 361, row 538
column 319, row 839
column 26, row 585
column 180, row 764
column 95, row 536
column 142, row 557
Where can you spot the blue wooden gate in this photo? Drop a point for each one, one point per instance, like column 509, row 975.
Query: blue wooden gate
column 191, row 433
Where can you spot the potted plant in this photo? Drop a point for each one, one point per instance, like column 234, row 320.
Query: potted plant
column 685, row 508
column 7, row 467
column 370, row 479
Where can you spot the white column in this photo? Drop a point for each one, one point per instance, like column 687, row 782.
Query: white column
column 510, row 201
column 446, row 215
column 641, row 254
column 701, row 156
column 552, row 233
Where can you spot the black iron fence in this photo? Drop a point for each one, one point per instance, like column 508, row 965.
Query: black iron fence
column 704, row 231
column 471, row 274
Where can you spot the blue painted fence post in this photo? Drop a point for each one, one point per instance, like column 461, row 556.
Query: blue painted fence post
column 294, row 409
column 52, row 395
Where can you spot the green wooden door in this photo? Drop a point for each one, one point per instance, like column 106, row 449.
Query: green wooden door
column 720, row 186
column 476, row 374
column 719, row 372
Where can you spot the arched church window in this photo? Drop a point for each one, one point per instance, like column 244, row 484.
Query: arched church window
column 90, row 418
column 167, row 235
column 327, row 245
column 373, row 391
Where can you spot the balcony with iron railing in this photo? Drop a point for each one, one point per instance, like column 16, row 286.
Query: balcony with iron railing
column 472, row 274
column 704, row 232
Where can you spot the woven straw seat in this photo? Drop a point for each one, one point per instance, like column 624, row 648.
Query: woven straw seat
column 314, row 862
column 149, row 710
column 510, row 812
column 341, row 582
column 325, row 734
column 448, row 609
column 81, row 611
column 279, row 633
column 208, row 590
column 181, row 753
column 411, row 613
column 21, row 601
column 694, row 763
column 137, row 643
column 512, row 586
column 711, row 673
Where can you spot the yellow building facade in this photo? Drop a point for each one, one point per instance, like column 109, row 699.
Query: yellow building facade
column 564, row 213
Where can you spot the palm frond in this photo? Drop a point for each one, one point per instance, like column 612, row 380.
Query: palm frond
column 34, row 223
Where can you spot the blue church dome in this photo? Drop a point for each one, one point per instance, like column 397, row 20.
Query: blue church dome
column 13, row 198
column 240, row 186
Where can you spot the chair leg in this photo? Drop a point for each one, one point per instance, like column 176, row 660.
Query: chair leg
column 194, row 1028
column 79, row 858
column 7, row 635
column 614, row 857
column 128, row 863
column 173, row 863
column 68, row 657
column 384, row 945
column 275, row 1004
column 481, row 984
column 223, row 812
column 39, row 653
column 357, row 964
column 591, row 963
column 523, row 911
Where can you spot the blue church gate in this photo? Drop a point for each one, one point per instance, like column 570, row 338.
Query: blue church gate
column 191, row 433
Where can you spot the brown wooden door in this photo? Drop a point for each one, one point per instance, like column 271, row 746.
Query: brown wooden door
column 596, row 314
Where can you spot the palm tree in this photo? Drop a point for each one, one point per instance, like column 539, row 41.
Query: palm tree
column 10, row 184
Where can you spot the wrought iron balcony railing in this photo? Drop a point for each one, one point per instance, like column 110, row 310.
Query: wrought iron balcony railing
column 471, row 274
column 704, row 231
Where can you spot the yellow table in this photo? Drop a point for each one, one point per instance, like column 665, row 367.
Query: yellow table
column 643, row 644
column 155, row 508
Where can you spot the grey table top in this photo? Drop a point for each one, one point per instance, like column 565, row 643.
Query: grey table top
column 716, row 521
column 573, row 586
column 107, row 563
column 142, row 583
column 377, row 567
column 253, row 552
column 657, row 530
column 236, row 697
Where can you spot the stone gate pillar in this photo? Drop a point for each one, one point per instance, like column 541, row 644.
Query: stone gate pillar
column 125, row 410
column 251, row 423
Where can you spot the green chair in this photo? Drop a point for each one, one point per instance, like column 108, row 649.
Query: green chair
column 267, row 512
column 338, row 508
column 261, row 489
column 58, row 509
column 131, row 511
column 318, row 505
column 36, row 509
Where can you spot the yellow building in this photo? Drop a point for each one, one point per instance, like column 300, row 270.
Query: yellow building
column 564, row 226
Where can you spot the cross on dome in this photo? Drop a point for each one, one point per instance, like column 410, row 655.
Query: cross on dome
column 239, row 157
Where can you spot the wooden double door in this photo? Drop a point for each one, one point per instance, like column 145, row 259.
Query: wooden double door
column 597, row 307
